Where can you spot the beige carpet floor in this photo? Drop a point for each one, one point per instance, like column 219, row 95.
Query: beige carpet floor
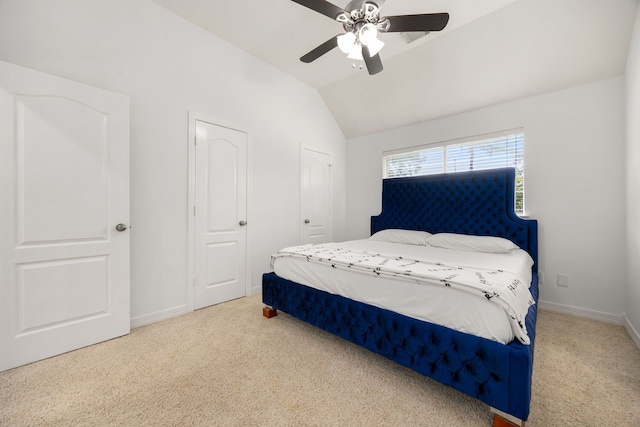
column 227, row 365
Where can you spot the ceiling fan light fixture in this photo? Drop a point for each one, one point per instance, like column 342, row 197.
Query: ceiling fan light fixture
column 346, row 42
column 368, row 32
column 356, row 52
column 369, row 37
column 375, row 46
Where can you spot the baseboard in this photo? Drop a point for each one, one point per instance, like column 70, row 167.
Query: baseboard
column 581, row 312
column 158, row 316
column 635, row 336
column 256, row 290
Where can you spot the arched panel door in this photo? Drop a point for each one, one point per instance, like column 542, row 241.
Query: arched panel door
column 64, row 237
column 220, row 224
column 315, row 196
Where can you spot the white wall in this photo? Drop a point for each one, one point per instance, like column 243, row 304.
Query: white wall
column 633, row 184
column 169, row 67
column 574, row 178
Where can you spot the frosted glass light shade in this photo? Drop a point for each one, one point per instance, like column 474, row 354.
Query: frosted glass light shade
column 356, row 52
column 346, row 41
column 369, row 38
column 368, row 32
column 375, row 46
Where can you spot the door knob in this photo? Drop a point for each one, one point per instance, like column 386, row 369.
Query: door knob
column 306, row 221
column 121, row 227
column 242, row 223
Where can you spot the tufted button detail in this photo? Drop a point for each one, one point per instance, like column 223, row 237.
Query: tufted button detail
column 429, row 349
column 450, row 204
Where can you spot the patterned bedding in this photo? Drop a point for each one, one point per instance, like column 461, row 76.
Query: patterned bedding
column 447, row 287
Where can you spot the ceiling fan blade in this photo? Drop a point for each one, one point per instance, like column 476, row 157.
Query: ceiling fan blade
column 322, row 6
column 373, row 63
column 426, row 22
column 320, row 50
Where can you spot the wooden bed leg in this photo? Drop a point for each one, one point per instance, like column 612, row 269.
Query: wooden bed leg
column 269, row 312
column 502, row 419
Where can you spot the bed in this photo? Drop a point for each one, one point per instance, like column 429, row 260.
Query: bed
column 477, row 203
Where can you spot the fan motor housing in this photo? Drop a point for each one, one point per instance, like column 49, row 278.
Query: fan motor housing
column 358, row 13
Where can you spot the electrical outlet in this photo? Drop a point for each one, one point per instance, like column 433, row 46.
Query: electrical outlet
column 541, row 277
column 563, row 280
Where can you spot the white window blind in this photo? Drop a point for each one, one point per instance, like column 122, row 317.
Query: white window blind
column 497, row 151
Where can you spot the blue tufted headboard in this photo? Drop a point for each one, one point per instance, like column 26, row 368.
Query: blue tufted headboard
column 478, row 202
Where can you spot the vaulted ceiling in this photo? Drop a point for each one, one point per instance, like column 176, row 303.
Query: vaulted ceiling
column 491, row 51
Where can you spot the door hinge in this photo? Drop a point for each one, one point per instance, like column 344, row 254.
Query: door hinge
column 194, row 211
column 195, row 282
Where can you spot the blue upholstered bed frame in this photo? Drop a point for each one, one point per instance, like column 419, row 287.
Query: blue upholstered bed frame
column 477, row 203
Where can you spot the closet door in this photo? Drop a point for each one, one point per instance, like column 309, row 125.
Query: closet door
column 315, row 196
column 220, row 214
column 64, row 237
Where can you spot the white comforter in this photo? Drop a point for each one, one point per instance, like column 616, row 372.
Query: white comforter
column 483, row 294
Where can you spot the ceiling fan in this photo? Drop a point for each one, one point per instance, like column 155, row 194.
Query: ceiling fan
column 361, row 21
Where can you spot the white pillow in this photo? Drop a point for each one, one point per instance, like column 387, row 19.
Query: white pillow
column 463, row 242
column 408, row 237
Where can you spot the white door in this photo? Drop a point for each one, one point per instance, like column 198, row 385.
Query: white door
column 220, row 214
column 315, row 196
column 64, row 185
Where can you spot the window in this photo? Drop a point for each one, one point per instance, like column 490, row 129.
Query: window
column 505, row 149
